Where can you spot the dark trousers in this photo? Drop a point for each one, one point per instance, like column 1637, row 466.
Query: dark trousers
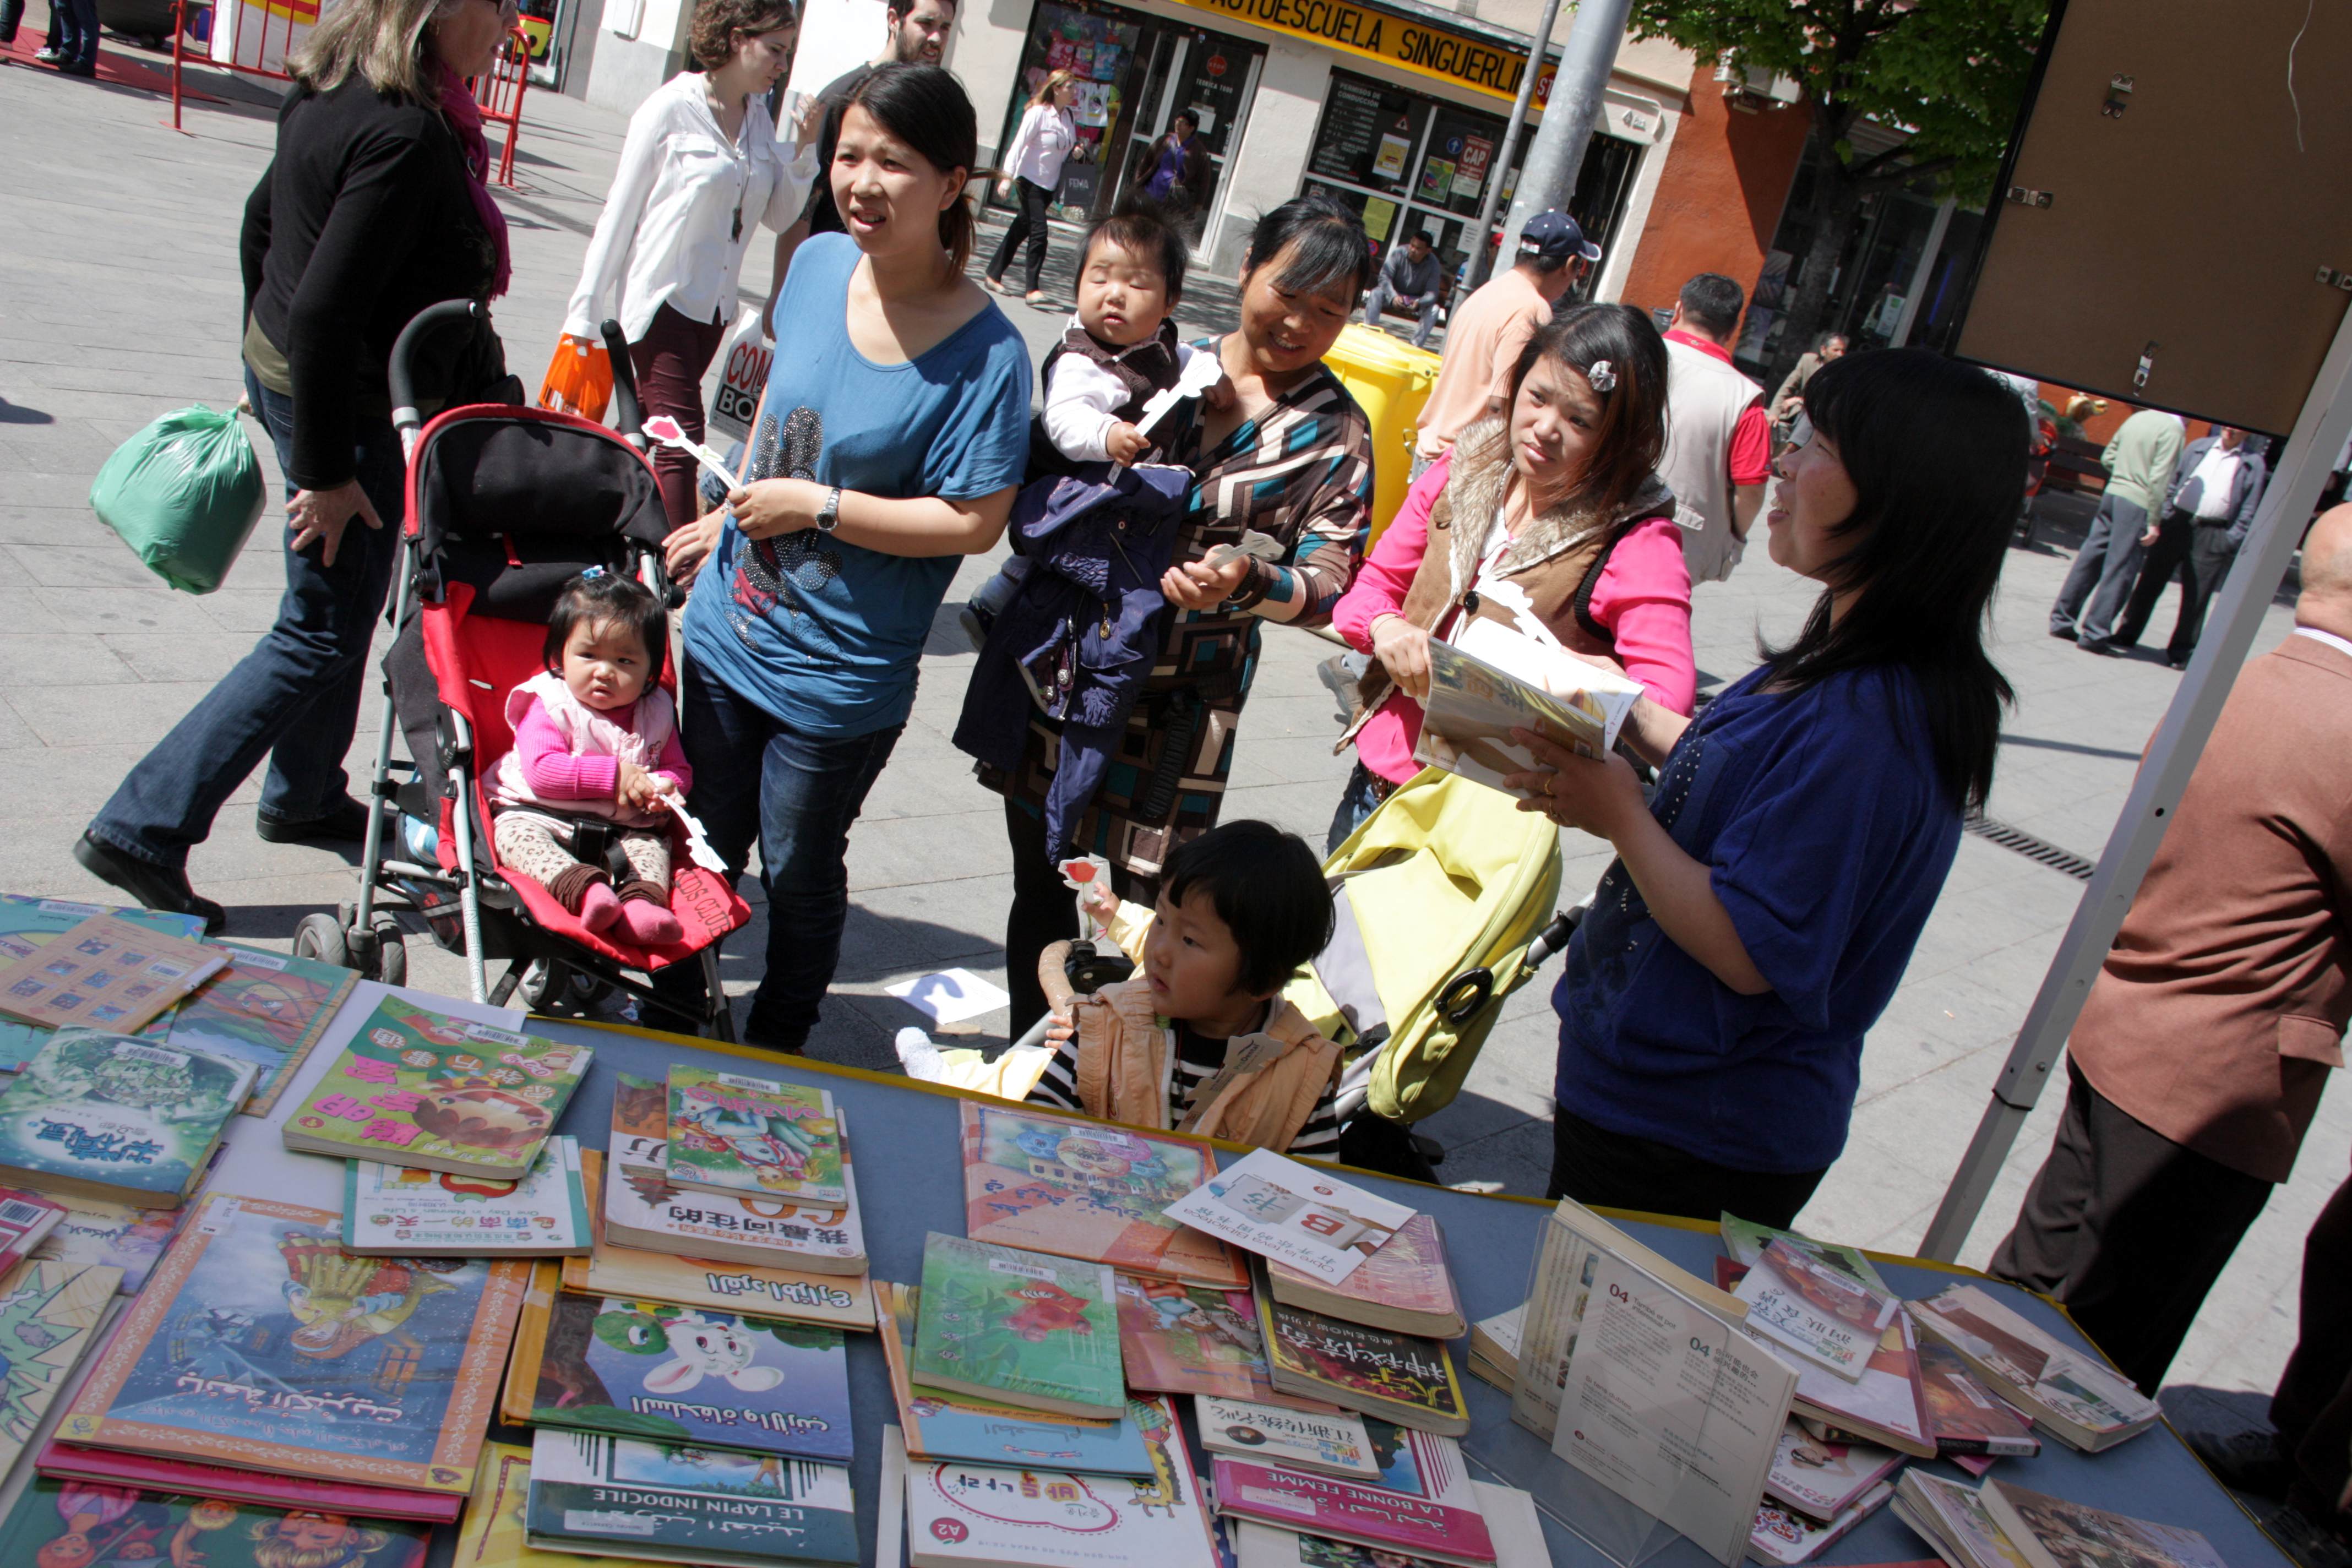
column 1614, row 1170
column 2313, row 1406
column 1029, row 224
column 670, row 361
column 2199, row 553
column 2104, row 571
column 11, row 12
column 758, row 779
column 1044, row 911
column 295, row 699
column 2129, row 1229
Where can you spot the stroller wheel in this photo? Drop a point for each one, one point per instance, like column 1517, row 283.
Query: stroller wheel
column 320, row 937
column 391, row 952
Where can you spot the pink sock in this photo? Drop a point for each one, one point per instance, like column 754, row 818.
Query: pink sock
column 599, row 907
column 649, row 923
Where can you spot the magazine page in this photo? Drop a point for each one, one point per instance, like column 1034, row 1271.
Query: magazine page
column 1473, row 707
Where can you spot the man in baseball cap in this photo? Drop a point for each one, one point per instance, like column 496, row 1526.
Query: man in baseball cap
column 1487, row 331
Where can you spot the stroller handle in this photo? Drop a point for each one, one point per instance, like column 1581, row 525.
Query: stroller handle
column 424, row 324
column 628, row 414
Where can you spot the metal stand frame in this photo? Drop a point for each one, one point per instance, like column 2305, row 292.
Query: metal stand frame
column 2319, row 434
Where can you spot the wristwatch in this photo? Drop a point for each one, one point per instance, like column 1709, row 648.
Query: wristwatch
column 828, row 516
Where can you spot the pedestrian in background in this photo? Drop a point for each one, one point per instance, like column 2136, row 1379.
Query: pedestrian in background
column 1033, row 161
column 374, row 208
column 1718, row 440
column 2140, row 459
column 1172, row 173
column 2218, row 1015
column 1790, row 401
column 2212, row 505
column 701, row 169
column 1414, row 278
column 1768, row 894
column 1489, row 333
column 72, row 46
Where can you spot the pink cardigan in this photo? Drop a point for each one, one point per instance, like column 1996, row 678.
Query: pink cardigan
column 1643, row 597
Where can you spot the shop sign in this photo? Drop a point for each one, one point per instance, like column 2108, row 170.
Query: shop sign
column 1409, row 44
column 1216, row 65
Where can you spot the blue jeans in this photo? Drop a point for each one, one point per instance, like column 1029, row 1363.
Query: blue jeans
column 1357, row 802
column 756, row 776
column 295, row 699
column 73, row 32
column 1422, row 306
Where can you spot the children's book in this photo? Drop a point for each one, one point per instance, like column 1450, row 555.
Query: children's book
column 1964, row 1416
column 27, row 925
column 403, row 1212
column 1293, row 1213
column 754, row 1137
column 440, row 1093
column 1022, row 1328
column 1512, row 1522
column 1745, row 1239
column 1823, row 1479
column 117, row 1118
column 642, row 1209
column 640, row 1125
column 267, row 1008
column 1335, row 1444
column 107, row 973
column 1081, row 1189
column 1423, row 1504
column 614, row 1496
column 2086, row 1402
column 960, row 1515
column 1819, row 1311
column 1784, row 1537
column 106, row 1468
column 808, row 1297
column 1396, row 1377
column 25, row 1221
column 70, row 1524
column 940, row 1427
column 494, row 1534
column 49, row 1315
column 260, row 1343
column 117, row 1235
column 2058, row 1532
column 1405, row 1286
column 678, row 1375
column 1188, row 1339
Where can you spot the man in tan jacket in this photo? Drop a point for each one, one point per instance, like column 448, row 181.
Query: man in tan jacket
column 2202, row 1052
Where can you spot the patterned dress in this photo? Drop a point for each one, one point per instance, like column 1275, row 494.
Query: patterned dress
column 1302, row 472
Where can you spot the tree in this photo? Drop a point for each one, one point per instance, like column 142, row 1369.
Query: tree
column 1951, row 73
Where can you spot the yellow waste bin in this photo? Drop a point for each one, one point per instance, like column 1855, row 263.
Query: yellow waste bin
column 1391, row 380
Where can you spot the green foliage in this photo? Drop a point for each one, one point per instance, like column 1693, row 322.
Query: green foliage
column 1952, row 72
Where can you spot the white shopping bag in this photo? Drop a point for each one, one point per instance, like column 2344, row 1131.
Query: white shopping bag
column 744, row 361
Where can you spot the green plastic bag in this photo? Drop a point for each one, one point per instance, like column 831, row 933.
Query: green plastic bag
column 184, row 494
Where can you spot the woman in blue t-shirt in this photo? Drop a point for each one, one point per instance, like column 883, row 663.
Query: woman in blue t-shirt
column 889, row 442
column 1768, row 894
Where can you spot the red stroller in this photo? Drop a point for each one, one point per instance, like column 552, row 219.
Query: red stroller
column 504, row 506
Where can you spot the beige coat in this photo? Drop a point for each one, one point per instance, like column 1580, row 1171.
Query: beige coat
column 1123, row 1071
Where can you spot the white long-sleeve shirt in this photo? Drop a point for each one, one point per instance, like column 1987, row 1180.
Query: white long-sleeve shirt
column 1081, row 402
column 668, row 232
column 1040, row 145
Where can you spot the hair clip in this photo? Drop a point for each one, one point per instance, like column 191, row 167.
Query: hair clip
column 1602, row 375
column 590, row 574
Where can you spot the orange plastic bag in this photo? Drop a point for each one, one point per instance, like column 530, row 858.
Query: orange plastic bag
column 579, row 378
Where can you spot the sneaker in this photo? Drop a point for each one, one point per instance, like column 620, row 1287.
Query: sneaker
column 155, row 887
column 2307, row 1543
column 2246, row 1462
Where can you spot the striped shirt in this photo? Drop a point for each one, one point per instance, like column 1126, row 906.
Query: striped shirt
column 1196, row 1061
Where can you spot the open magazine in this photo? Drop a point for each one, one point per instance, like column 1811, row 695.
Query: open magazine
column 1492, row 681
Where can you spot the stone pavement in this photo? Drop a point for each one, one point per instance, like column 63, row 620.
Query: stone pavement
column 119, row 298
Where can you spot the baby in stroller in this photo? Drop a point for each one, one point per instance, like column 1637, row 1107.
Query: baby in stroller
column 580, row 796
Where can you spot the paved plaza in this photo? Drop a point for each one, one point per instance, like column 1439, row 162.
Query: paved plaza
column 120, row 299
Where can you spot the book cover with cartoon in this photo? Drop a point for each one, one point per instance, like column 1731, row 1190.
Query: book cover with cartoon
column 119, row 1114
column 267, row 1008
column 1037, row 1330
column 679, row 1375
column 1079, row 1189
column 1188, row 1339
column 415, row 1088
column 259, row 1342
column 73, row 1524
column 730, row 1133
column 48, row 1311
column 28, row 924
column 693, row 1505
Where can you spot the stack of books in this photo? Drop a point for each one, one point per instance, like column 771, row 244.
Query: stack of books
column 2003, row 1526
column 1815, row 1493
column 2086, row 1403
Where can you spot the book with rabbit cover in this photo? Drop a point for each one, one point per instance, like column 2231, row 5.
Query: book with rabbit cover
column 259, row 1342
column 679, row 1375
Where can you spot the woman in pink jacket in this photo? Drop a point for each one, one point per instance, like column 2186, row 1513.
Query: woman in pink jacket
column 1548, row 520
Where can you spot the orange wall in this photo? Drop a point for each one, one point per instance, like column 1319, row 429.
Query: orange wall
column 1719, row 195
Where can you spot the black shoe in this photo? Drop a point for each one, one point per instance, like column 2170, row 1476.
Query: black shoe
column 86, row 73
column 2176, row 661
column 2245, row 1460
column 156, row 887
column 2104, row 647
column 346, row 823
column 2063, row 633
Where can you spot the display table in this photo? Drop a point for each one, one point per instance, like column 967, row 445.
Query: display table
column 904, row 1137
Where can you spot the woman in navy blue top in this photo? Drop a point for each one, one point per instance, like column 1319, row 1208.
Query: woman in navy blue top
column 1768, row 894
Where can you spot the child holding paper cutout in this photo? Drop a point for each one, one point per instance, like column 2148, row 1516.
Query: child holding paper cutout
column 595, row 736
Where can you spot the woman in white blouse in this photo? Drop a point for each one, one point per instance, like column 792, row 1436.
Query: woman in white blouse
column 1033, row 169
column 701, row 168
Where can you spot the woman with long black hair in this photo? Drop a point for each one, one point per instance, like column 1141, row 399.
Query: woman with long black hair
column 1767, row 896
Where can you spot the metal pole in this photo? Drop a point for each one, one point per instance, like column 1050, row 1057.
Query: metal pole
column 1557, row 155
column 1482, row 255
column 2319, row 434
